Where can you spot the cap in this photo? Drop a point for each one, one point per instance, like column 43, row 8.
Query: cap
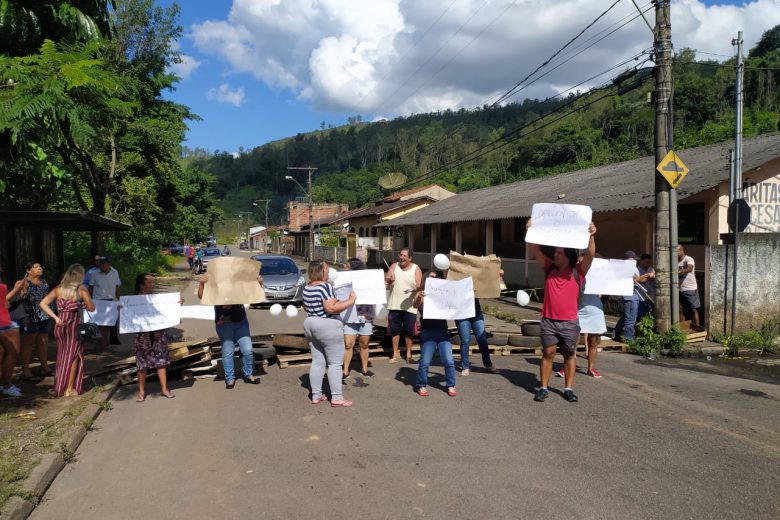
column 630, row 255
column 105, row 259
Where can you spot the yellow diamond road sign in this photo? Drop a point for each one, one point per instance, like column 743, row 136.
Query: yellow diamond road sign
column 673, row 169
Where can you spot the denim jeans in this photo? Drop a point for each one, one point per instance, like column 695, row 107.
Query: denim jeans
column 229, row 334
column 625, row 326
column 326, row 341
column 477, row 324
column 430, row 340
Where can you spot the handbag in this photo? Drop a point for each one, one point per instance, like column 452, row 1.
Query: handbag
column 88, row 331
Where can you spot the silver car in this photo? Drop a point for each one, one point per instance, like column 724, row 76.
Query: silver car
column 282, row 279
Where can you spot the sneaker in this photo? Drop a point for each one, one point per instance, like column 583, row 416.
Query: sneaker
column 541, row 395
column 12, row 391
column 570, row 396
column 465, row 372
column 595, row 373
column 560, row 373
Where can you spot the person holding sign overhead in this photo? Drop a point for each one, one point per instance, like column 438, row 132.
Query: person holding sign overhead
column 233, row 327
column 560, row 328
column 403, row 277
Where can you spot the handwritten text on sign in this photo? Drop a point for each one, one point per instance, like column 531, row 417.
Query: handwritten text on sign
column 448, row 299
column 149, row 312
column 368, row 284
column 610, row 277
column 105, row 313
column 560, row 225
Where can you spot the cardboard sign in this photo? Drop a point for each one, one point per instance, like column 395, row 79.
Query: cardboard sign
column 105, row 314
column 560, row 225
column 610, row 277
column 485, row 271
column 149, row 312
column 448, row 299
column 232, row 280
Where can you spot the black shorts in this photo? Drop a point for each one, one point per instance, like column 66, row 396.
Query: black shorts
column 690, row 300
column 563, row 333
column 40, row 327
column 399, row 322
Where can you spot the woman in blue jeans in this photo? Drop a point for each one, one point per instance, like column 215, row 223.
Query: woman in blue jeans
column 477, row 324
column 434, row 334
column 233, row 327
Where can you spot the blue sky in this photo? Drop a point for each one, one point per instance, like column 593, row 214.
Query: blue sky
column 260, row 70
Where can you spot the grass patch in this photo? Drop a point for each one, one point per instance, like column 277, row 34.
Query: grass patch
column 503, row 315
column 24, row 441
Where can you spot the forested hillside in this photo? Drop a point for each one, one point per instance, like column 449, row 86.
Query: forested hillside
column 532, row 138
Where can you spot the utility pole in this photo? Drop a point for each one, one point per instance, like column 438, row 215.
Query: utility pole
column 310, row 171
column 265, row 240
column 737, row 170
column 662, row 51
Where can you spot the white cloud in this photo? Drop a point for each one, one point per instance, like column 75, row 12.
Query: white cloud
column 223, row 94
column 186, row 66
column 394, row 57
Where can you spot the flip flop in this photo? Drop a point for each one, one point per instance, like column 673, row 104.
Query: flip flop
column 140, row 398
column 341, row 404
column 392, row 360
column 169, row 395
column 320, row 399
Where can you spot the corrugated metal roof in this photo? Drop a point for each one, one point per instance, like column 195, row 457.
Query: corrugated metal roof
column 385, row 207
column 614, row 187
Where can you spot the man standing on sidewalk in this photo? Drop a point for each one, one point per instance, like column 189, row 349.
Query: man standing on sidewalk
column 689, row 289
column 625, row 327
column 105, row 285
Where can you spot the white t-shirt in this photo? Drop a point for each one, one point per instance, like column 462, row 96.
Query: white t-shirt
column 105, row 284
column 688, row 280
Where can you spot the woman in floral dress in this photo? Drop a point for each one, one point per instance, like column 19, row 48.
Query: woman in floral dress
column 151, row 348
column 70, row 296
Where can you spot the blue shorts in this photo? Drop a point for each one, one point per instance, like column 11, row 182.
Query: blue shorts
column 358, row 329
column 41, row 327
column 399, row 322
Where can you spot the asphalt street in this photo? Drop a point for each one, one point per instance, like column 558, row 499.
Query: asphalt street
column 646, row 441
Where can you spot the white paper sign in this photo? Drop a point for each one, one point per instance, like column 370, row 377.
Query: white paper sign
column 198, row 312
column 348, row 315
column 448, row 299
column 381, row 313
column 368, row 284
column 149, row 312
column 560, row 225
column 105, row 314
column 610, row 277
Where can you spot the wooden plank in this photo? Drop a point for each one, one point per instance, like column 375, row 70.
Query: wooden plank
column 190, row 373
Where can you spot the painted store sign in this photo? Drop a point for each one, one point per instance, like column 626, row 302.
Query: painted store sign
column 764, row 200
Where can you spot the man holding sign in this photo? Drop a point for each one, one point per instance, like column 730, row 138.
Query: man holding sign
column 560, row 328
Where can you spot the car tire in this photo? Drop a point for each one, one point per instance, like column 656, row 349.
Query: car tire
column 531, row 329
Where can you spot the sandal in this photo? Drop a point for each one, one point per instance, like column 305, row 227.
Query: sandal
column 230, row 384
column 140, row 398
column 451, row 391
column 168, row 394
column 320, row 399
column 422, row 392
column 340, row 404
column 392, row 360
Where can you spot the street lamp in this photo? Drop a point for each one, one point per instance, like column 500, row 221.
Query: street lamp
column 255, row 204
column 310, row 170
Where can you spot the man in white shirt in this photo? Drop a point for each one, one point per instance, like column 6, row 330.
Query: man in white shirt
column 689, row 290
column 104, row 285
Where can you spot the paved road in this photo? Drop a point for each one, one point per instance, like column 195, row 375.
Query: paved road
column 647, row 441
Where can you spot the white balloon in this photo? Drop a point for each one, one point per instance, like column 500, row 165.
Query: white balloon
column 292, row 311
column 523, row 298
column 441, row 261
column 276, row 309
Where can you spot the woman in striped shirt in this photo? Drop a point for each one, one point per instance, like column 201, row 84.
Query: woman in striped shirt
column 324, row 331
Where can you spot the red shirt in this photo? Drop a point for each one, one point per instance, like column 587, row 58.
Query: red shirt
column 5, row 317
column 561, row 292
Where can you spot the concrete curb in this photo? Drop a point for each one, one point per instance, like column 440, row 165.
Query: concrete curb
column 41, row 477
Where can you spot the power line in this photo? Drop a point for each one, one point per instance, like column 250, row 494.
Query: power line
column 556, row 53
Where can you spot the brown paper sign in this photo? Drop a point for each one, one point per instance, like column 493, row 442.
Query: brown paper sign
column 232, row 280
column 484, row 270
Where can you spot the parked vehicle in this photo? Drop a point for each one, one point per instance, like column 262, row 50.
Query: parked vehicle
column 282, row 279
column 243, row 245
column 173, row 249
column 211, row 241
column 209, row 253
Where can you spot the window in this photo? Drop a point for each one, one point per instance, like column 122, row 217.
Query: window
column 445, row 231
column 690, row 224
column 496, row 231
column 519, row 230
column 360, row 231
column 426, row 232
